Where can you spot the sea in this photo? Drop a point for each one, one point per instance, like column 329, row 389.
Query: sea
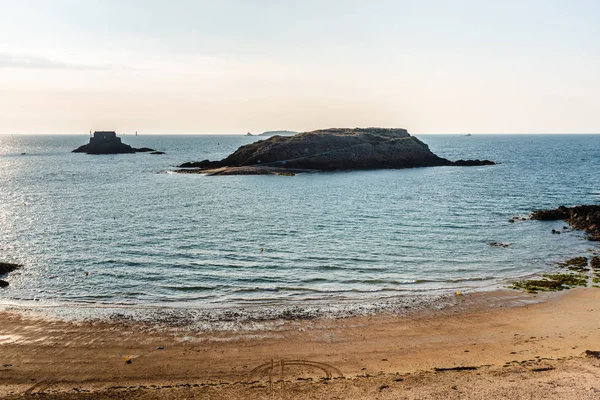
column 102, row 235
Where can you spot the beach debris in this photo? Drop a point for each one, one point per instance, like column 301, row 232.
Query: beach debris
column 127, row 360
column 592, row 353
column 498, row 244
column 458, row 293
column 454, row 369
column 160, row 348
column 541, row 369
column 382, row 387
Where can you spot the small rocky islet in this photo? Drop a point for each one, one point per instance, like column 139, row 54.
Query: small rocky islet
column 335, row 149
column 107, row 142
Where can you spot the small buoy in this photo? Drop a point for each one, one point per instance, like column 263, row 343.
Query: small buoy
column 458, row 293
column 86, row 273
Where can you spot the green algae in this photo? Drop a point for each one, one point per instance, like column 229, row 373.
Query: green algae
column 551, row 283
column 581, row 262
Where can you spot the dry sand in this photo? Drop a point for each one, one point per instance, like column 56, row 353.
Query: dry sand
column 508, row 344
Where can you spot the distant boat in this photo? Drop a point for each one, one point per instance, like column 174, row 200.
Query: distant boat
column 468, row 134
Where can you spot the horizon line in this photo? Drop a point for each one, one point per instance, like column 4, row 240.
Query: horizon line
column 258, row 134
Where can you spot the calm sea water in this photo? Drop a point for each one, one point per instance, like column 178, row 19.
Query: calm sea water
column 152, row 238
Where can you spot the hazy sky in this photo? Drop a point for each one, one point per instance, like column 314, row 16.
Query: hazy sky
column 232, row 66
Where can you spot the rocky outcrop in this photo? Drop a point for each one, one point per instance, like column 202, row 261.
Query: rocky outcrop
column 585, row 217
column 108, row 143
column 333, row 149
column 202, row 164
column 6, row 268
column 472, row 163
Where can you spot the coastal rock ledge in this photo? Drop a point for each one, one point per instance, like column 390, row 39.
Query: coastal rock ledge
column 6, row 268
column 335, row 149
column 584, row 217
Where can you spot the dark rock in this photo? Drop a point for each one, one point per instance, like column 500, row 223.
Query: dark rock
column 455, row 369
column 472, row 163
column 3, row 284
column 6, row 268
column 201, row 164
column 592, row 353
column 335, row 149
column 108, row 143
column 585, row 217
column 550, row 215
column 158, row 152
column 498, row 244
column 555, row 232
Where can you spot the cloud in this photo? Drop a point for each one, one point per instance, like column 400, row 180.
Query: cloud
column 38, row 62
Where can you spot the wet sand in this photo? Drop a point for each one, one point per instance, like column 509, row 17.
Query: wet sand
column 487, row 345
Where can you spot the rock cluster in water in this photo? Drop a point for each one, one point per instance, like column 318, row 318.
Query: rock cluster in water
column 329, row 150
column 585, row 217
column 6, row 268
column 107, row 142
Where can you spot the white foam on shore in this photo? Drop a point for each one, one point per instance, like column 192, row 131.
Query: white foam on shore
column 242, row 319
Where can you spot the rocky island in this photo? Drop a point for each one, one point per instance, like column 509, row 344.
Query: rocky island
column 335, row 149
column 107, row 142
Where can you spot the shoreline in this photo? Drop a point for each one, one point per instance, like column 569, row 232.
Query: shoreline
column 248, row 317
column 502, row 335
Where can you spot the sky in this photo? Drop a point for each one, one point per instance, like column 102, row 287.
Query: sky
column 233, row 66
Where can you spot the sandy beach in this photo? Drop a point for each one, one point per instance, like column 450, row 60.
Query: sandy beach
column 502, row 344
